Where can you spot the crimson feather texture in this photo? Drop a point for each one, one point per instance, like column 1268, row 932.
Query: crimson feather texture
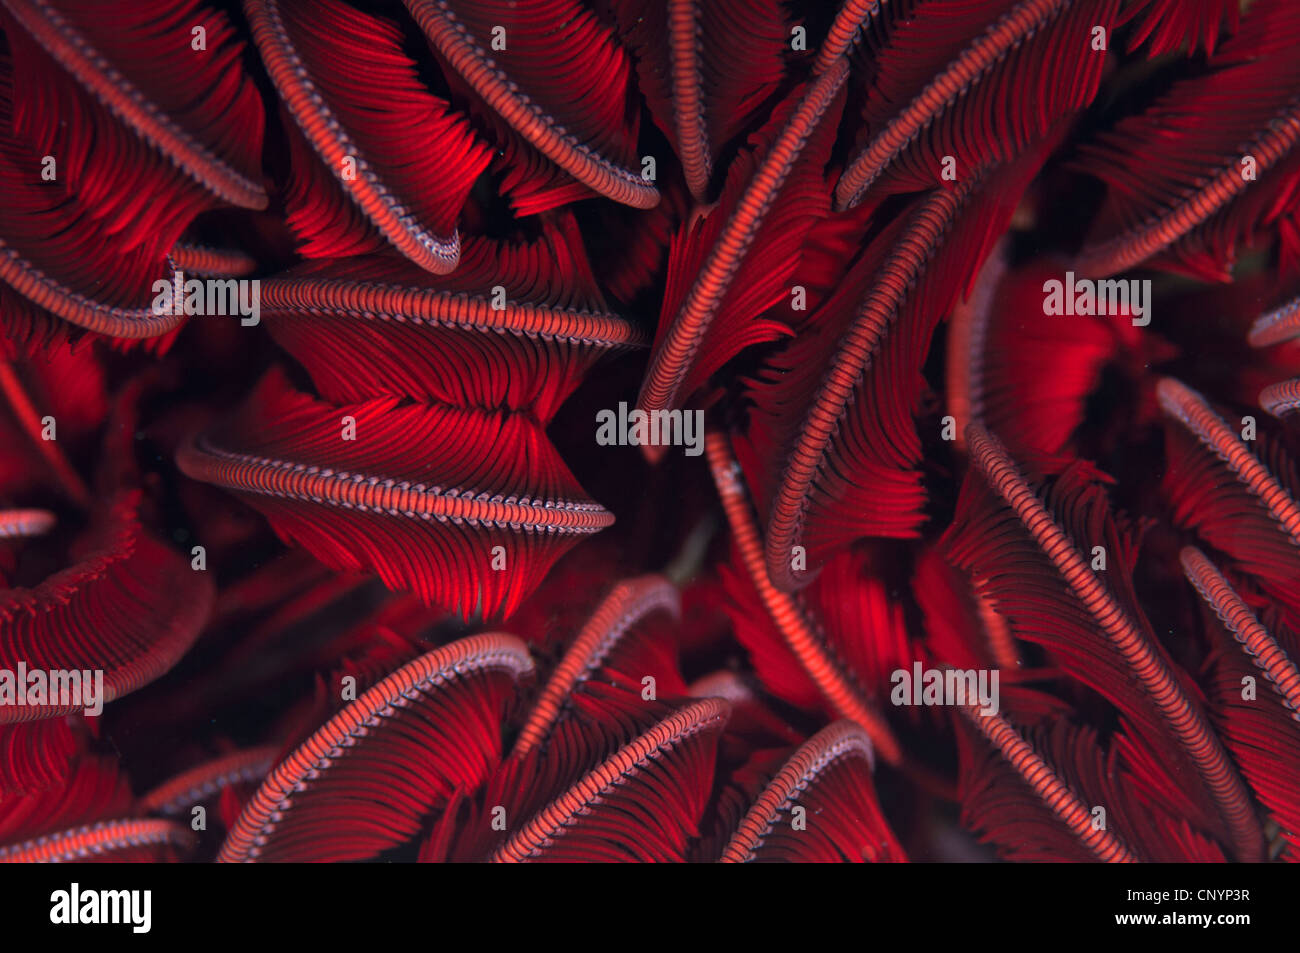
column 1256, row 641
column 621, row 779
column 208, row 780
column 754, row 721
column 736, row 262
column 837, row 687
column 1263, row 220
column 874, row 444
column 753, row 748
column 362, row 658
column 962, row 627
column 618, row 777
column 71, row 383
column 613, row 643
column 1208, row 497
column 27, row 328
column 964, row 379
column 1054, row 793
column 87, row 818
column 305, row 592
column 341, row 625
column 549, row 76
column 428, row 497
column 785, row 385
column 703, row 80
column 52, row 238
column 127, row 840
column 975, row 81
column 635, row 245
column 94, row 789
column 1092, row 626
column 1175, row 170
column 119, row 127
column 62, row 382
column 1172, row 26
column 827, row 259
column 200, row 259
column 516, row 327
column 773, row 661
column 838, row 405
column 36, row 756
column 1257, row 725
column 127, row 605
column 130, row 95
column 358, row 100
column 616, row 681
column 468, row 237
column 1035, row 374
column 820, row 807
column 367, row 779
column 641, row 803
column 857, row 601
column 324, row 218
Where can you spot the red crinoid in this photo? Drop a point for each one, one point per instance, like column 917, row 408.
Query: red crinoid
column 613, row 430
